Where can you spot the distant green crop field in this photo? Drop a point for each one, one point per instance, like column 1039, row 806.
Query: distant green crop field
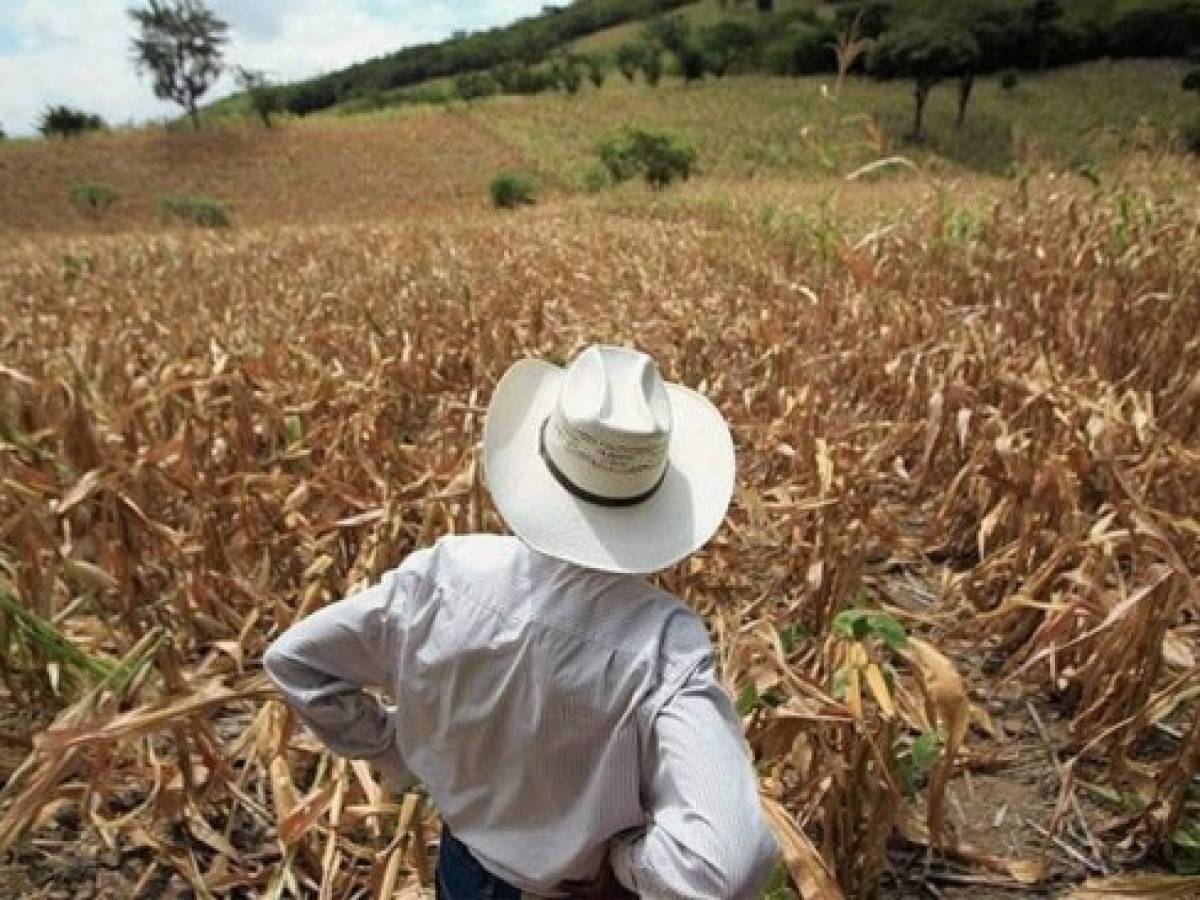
column 1080, row 116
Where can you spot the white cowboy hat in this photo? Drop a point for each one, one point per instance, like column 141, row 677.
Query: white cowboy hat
column 605, row 465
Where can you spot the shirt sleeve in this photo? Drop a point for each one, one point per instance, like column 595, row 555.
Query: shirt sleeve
column 707, row 836
column 323, row 665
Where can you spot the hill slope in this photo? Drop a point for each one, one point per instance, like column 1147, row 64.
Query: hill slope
column 416, row 161
column 796, row 38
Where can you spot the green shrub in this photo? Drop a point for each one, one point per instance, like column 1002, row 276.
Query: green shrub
column 660, row 158
column 510, row 190
column 92, row 197
column 1009, row 80
column 204, row 212
column 474, row 85
column 616, row 154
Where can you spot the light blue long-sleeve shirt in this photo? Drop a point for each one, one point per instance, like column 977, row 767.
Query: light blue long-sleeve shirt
column 555, row 714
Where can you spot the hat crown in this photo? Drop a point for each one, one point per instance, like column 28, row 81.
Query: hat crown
column 616, row 391
column 607, row 439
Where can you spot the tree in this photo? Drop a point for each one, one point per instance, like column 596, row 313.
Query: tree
column 668, row 32
column 1043, row 14
column 966, row 83
column 728, row 44
column 692, row 61
column 629, row 59
column 652, row 66
column 928, row 53
column 264, row 96
column 181, row 47
column 66, row 122
column 569, row 75
column 596, row 69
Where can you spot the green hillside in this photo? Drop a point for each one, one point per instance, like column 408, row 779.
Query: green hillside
column 698, row 14
column 527, row 40
column 1080, row 117
column 561, row 47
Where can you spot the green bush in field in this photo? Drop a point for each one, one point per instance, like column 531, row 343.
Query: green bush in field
column 205, row 212
column 92, row 197
column 1009, row 80
column 660, row 158
column 510, row 190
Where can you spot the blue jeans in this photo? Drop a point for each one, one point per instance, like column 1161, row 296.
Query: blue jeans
column 461, row 877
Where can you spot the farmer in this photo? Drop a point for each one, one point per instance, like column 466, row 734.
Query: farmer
column 562, row 713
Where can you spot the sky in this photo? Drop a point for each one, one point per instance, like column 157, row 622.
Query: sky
column 76, row 52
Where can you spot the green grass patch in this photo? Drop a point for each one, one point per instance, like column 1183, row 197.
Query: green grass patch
column 201, row 211
column 92, row 197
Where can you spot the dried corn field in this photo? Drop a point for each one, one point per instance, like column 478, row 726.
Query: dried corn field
column 959, row 580
column 341, row 172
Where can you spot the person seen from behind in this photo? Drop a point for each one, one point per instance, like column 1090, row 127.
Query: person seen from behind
column 562, row 713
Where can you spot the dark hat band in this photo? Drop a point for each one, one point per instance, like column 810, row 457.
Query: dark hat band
column 582, row 493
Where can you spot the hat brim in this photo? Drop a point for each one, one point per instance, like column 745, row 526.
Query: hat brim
column 675, row 521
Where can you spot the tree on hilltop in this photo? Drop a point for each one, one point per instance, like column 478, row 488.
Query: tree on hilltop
column 66, row 122
column 181, row 45
column 264, row 97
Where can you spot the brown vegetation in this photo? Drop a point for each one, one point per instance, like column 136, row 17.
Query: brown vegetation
column 983, row 428
column 331, row 172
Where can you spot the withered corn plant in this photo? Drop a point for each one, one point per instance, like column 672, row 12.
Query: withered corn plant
column 978, row 445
